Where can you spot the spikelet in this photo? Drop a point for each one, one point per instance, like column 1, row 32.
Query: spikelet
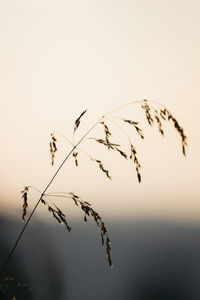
column 90, row 212
column 135, row 124
column 122, row 153
column 165, row 115
column 75, row 154
column 107, row 134
column 145, row 106
column 112, row 146
column 133, row 156
column 179, row 129
column 53, row 148
column 57, row 214
column 156, row 115
column 75, row 198
column 101, row 167
column 25, row 202
column 77, row 122
column 106, row 143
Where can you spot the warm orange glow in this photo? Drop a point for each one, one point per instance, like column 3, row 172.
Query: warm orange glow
column 60, row 58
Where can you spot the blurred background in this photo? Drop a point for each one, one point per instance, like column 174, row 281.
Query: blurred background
column 153, row 259
column 60, row 58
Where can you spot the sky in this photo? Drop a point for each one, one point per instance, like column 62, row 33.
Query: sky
column 59, row 58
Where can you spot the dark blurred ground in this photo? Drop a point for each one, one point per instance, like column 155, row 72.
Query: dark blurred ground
column 152, row 261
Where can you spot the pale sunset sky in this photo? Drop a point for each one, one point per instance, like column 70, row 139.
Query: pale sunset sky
column 59, row 58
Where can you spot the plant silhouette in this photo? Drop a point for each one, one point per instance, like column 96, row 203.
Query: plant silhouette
column 154, row 112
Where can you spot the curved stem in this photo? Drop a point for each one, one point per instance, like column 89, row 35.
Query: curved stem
column 69, row 141
column 34, row 188
column 122, row 106
column 122, row 129
column 132, row 102
column 55, row 174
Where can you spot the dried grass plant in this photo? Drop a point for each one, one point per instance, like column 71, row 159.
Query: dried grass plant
column 154, row 113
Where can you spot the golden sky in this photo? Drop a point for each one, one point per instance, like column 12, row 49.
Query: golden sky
column 61, row 57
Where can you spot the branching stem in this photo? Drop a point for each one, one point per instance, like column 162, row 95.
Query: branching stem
column 48, row 185
column 74, row 146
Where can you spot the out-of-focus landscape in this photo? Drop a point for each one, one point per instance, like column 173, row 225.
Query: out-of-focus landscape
column 152, row 260
column 58, row 59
